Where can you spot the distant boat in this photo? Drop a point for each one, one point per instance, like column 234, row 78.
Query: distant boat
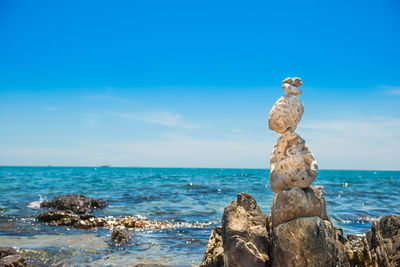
column 104, row 165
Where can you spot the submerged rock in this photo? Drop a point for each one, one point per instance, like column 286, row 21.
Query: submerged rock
column 120, row 235
column 214, row 254
column 75, row 203
column 297, row 202
column 244, row 233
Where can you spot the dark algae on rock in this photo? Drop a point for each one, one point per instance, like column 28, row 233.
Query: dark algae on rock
column 76, row 203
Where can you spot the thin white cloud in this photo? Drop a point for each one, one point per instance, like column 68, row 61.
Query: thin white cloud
column 391, row 89
column 164, row 118
column 52, row 108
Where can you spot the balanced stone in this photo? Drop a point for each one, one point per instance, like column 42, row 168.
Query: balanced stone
column 297, row 202
column 292, row 163
column 285, row 114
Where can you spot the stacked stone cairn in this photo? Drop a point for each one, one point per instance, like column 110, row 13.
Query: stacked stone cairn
column 297, row 231
column 302, row 233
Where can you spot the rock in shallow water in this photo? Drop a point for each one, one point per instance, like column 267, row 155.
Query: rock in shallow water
column 244, row 233
column 214, row 254
column 120, row 235
column 13, row 261
column 75, row 203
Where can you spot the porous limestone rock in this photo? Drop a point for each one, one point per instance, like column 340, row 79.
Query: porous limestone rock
column 292, row 163
column 244, row 233
column 306, row 241
column 297, row 202
column 295, row 81
column 214, row 254
column 290, row 89
column 285, row 114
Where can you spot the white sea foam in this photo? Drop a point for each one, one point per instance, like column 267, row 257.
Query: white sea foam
column 36, row 204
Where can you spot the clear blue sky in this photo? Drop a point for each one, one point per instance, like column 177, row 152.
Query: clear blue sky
column 190, row 83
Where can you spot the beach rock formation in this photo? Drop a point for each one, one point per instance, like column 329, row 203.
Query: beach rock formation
column 306, row 241
column 13, row 261
column 76, row 203
column 87, row 221
column 244, row 233
column 9, row 257
column 214, row 254
column 384, row 241
column 292, row 164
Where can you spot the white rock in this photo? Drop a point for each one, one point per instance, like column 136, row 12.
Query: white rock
column 285, row 114
column 292, row 163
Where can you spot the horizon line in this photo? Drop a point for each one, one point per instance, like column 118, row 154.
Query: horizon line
column 152, row 167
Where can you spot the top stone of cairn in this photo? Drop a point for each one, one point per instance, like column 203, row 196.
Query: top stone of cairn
column 291, row 86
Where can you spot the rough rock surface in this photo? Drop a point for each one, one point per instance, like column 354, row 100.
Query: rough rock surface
column 290, row 89
column 15, row 260
column 305, row 241
column 214, row 254
column 86, row 221
column 384, row 241
column 357, row 251
column 244, row 233
column 294, row 81
column 120, row 235
column 285, row 114
column 292, row 163
column 75, row 203
column 7, row 251
column 297, row 202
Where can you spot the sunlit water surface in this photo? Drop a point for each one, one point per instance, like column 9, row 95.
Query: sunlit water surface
column 192, row 199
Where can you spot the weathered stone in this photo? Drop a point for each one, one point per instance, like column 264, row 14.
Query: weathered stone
column 292, row 163
column 120, row 235
column 244, row 233
column 357, row 251
column 51, row 216
column 306, row 241
column 286, row 114
column 6, row 251
column 294, row 81
column 13, row 261
column 214, row 254
column 297, row 202
column 384, row 241
column 290, row 89
column 75, row 203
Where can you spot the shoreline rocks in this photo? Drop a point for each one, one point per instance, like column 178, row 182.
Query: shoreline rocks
column 76, row 203
column 244, row 233
column 9, row 257
column 87, row 221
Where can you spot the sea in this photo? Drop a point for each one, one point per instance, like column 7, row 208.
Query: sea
column 191, row 200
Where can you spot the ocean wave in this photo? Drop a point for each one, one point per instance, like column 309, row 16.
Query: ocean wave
column 36, row 204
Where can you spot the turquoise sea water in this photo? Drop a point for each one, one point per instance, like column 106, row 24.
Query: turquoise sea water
column 192, row 199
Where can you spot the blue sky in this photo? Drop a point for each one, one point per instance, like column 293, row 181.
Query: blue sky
column 190, row 83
